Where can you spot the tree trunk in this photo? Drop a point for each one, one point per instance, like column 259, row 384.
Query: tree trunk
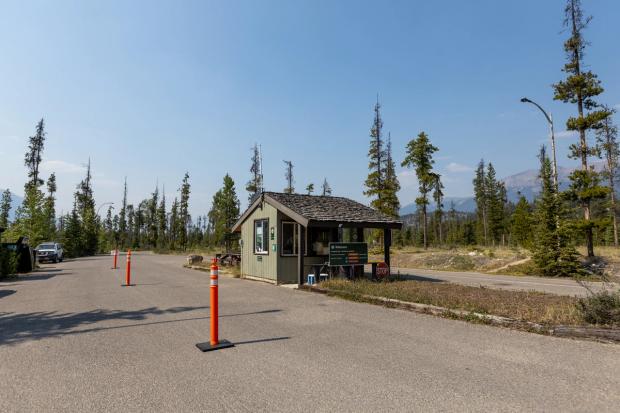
column 582, row 137
column 613, row 207
column 424, row 218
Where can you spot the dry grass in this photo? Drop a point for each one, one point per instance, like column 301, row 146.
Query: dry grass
column 457, row 259
column 232, row 270
column 520, row 305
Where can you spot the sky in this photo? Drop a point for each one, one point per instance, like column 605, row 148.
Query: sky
column 151, row 89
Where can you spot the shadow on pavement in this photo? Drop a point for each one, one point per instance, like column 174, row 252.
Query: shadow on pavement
column 35, row 276
column 17, row 328
column 411, row 277
column 6, row 293
column 260, row 340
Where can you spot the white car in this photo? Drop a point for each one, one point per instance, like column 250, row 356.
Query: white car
column 50, row 251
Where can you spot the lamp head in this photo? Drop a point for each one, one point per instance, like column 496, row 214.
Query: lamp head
column 525, row 100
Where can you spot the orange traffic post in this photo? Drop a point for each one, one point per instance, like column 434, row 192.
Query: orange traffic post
column 115, row 259
column 215, row 343
column 128, row 270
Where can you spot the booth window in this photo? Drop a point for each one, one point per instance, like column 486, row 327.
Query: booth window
column 319, row 239
column 261, row 236
column 290, row 238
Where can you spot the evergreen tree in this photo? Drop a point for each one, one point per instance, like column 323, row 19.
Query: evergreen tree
column 438, row 198
column 326, row 189
column 122, row 220
column 552, row 251
column 310, row 188
column 496, row 200
column 420, row 156
column 30, row 219
column 152, row 218
column 452, row 237
column 580, row 87
column 224, row 213
column 72, row 234
column 174, row 223
column 289, row 178
column 161, row 221
column 108, row 230
column 522, row 224
column 183, row 212
column 376, row 154
column 255, row 184
column 49, row 208
column 131, row 217
column 88, row 218
column 482, row 200
column 390, row 205
column 5, row 208
column 34, row 155
column 607, row 139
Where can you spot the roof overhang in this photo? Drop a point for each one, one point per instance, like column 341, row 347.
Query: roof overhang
column 277, row 205
column 310, row 223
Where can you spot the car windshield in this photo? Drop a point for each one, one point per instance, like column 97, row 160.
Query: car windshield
column 45, row 247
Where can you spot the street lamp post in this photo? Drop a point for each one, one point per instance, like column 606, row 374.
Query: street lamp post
column 550, row 120
column 102, row 205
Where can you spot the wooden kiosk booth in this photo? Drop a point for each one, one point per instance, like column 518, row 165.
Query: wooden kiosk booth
column 285, row 237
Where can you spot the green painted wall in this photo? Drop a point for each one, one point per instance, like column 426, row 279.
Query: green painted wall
column 255, row 265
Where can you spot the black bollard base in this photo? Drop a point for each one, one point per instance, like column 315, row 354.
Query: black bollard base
column 208, row 347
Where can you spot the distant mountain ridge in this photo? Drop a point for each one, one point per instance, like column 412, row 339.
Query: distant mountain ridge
column 524, row 183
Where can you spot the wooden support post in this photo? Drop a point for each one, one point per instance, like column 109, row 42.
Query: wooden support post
column 360, row 234
column 387, row 242
column 301, row 251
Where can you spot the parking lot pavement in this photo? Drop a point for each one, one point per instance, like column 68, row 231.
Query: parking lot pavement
column 73, row 339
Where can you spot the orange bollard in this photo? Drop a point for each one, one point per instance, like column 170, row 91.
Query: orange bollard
column 214, row 304
column 214, row 343
column 128, row 271
column 115, row 259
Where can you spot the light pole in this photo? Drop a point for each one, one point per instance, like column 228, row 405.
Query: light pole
column 550, row 120
column 102, row 205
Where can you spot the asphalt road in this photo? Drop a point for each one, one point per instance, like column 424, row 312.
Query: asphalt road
column 73, row 339
column 508, row 282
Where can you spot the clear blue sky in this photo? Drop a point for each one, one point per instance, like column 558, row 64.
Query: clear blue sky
column 150, row 89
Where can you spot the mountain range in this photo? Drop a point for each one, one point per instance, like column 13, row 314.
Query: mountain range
column 524, row 183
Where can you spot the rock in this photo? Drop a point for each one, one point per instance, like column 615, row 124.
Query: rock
column 194, row 259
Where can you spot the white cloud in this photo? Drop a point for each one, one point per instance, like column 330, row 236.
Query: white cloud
column 565, row 134
column 457, row 167
column 62, row 167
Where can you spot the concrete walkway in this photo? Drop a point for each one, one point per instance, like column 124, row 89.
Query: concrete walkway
column 73, row 340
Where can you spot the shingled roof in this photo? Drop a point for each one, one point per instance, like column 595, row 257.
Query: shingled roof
column 323, row 210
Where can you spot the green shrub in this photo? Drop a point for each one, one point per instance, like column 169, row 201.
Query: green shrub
column 601, row 308
column 8, row 263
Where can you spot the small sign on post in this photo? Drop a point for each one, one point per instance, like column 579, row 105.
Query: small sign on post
column 348, row 253
column 383, row 270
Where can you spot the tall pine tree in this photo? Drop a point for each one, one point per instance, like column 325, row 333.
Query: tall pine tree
column 420, row 156
column 390, row 205
column 255, row 184
column 183, row 212
column 581, row 87
column 607, row 140
column 376, row 154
